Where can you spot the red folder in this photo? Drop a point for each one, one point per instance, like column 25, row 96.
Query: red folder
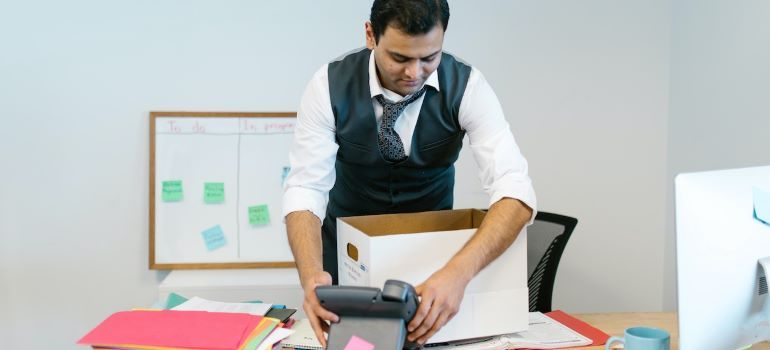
column 596, row 335
column 176, row 329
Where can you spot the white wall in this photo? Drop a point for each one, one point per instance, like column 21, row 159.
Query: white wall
column 720, row 96
column 584, row 85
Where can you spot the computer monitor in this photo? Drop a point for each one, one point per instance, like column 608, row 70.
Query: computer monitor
column 722, row 290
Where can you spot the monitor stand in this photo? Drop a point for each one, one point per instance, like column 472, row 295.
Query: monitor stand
column 757, row 329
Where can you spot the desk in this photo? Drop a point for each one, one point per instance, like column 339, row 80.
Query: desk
column 615, row 323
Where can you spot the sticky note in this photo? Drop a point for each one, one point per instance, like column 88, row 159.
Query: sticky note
column 356, row 343
column 762, row 205
column 172, row 191
column 214, row 238
column 259, row 215
column 214, row 192
column 284, row 174
column 174, row 300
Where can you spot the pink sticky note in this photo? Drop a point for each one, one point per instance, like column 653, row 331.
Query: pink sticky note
column 356, row 343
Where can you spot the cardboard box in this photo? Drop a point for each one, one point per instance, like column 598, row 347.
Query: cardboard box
column 411, row 247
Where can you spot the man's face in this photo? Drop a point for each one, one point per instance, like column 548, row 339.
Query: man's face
column 404, row 61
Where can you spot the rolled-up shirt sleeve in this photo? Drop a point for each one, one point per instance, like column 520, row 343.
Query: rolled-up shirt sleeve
column 313, row 151
column 503, row 169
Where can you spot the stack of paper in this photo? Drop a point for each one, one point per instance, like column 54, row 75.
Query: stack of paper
column 200, row 304
column 544, row 333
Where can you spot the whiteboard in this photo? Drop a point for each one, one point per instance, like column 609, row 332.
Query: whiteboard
column 215, row 189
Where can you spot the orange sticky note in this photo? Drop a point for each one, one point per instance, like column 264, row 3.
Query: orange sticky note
column 356, row 343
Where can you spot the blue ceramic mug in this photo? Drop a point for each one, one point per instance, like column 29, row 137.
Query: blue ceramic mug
column 642, row 338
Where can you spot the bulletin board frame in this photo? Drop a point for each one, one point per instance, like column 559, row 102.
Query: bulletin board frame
column 153, row 263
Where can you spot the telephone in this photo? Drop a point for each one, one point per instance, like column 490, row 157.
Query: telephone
column 377, row 317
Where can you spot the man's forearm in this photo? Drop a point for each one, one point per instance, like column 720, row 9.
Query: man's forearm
column 498, row 231
column 304, row 232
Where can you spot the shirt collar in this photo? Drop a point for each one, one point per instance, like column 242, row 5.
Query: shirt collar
column 375, row 88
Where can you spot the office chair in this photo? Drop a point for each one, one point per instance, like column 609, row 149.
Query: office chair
column 546, row 239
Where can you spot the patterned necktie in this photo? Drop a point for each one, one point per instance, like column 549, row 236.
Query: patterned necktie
column 391, row 146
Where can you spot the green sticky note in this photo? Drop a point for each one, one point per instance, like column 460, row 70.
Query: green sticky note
column 259, row 215
column 214, row 192
column 172, row 191
column 174, row 300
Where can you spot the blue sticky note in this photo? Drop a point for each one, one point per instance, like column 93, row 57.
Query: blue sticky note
column 284, row 174
column 762, row 206
column 214, row 238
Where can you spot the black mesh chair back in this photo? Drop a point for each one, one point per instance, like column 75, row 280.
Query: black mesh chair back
column 546, row 239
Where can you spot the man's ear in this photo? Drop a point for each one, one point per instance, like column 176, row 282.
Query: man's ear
column 370, row 42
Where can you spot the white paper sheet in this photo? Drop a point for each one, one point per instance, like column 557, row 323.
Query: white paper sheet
column 277, row 335
column 543, row 333
column 200, row 304
column 546, row 333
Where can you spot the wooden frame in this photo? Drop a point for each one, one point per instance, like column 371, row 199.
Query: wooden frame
column 227, row 265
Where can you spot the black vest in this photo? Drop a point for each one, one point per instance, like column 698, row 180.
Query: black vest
column 367, row 184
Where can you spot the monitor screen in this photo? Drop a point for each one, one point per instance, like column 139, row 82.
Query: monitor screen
column 722, row 290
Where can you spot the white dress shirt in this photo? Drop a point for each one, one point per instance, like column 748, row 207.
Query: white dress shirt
column 502, row 168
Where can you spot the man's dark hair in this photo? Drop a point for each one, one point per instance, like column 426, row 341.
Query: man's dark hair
column 413, row 17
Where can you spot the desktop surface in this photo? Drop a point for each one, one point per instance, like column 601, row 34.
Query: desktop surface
column 615, row 323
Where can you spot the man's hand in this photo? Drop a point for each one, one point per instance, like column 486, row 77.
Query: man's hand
column 440, row 300
column 304, row 231
column 316, row 314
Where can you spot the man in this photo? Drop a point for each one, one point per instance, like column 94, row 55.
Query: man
column 356, row 152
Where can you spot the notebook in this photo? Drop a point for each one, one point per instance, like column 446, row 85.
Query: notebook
column 303, row 337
